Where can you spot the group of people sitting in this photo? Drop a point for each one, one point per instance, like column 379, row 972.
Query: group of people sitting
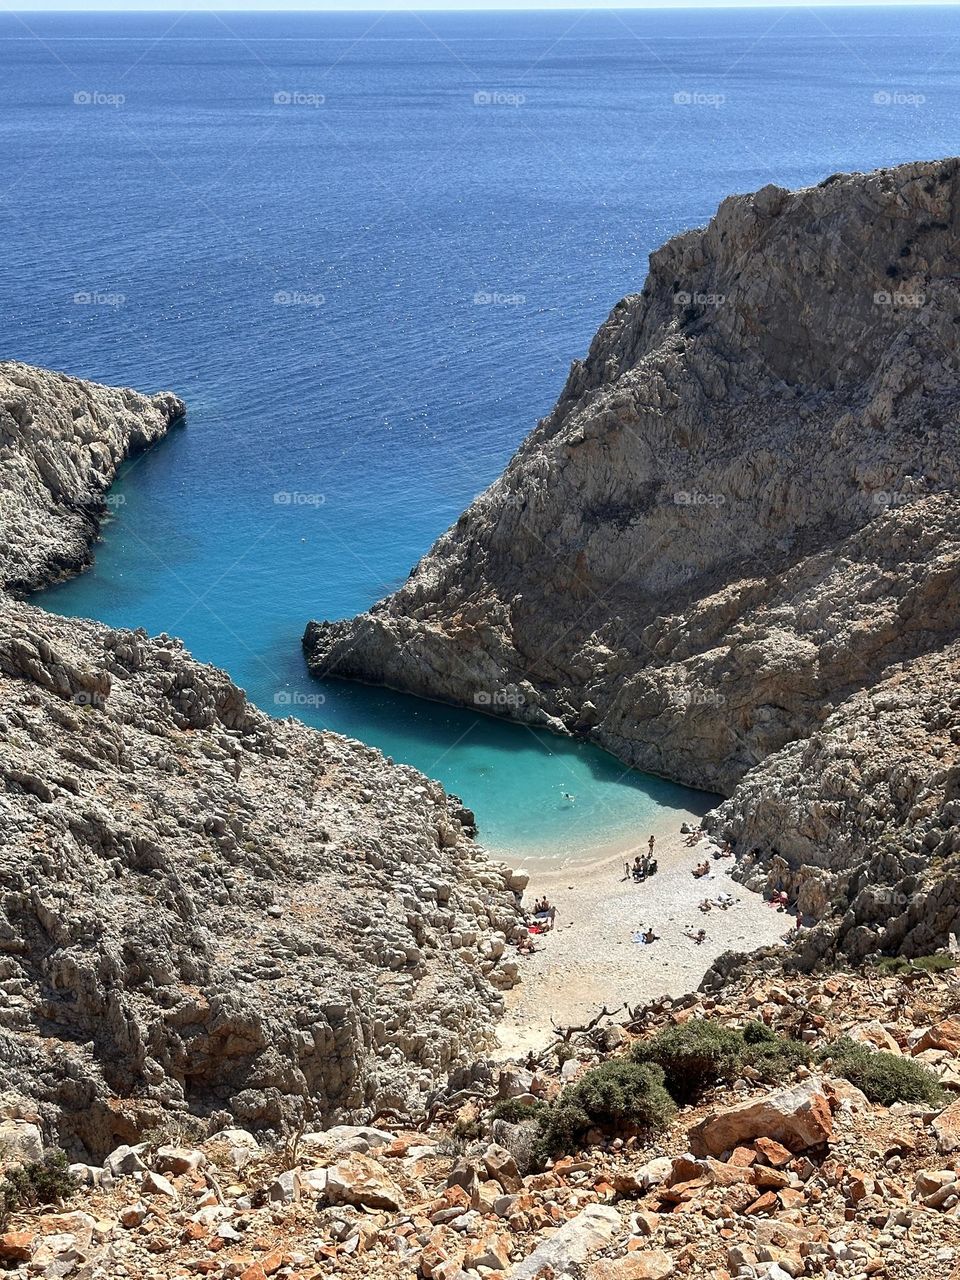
column 544, row 914
column 643, row 867
column 541, row 920
column 701, row 869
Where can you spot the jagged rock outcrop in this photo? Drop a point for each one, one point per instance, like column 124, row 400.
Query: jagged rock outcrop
column 741, row 517
column 61, row 442
column 203, row 909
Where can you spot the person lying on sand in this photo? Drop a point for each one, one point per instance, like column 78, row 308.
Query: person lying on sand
column 706, row 905
column 699, row 936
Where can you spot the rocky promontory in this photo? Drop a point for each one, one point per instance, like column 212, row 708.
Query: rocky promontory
column 730, row 554
column 203, row 910
column 61, row 442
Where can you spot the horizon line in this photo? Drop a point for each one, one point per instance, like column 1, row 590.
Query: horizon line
column 685, row 5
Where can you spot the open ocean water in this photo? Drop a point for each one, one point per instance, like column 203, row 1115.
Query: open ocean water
column 364, row 249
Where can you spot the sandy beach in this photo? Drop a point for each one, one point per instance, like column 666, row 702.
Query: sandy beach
column 590, row 958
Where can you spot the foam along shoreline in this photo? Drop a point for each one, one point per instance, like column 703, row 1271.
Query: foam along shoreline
column 590, row 959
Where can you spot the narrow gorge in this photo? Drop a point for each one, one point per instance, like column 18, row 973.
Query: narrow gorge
column 730, row 555
column 203, row 909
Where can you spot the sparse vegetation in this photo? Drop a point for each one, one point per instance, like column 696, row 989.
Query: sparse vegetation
column 694, row 1056
column 884, row 1077
column 773, row 1056
column 515, row 1111
column 618, row 1095
column 42, row 1182
column 940, row 962
column 700, row 1054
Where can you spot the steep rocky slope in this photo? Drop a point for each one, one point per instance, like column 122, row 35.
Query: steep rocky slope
column 61, row 441
column 802, row 1177
column 740, row 519
column 202, row 908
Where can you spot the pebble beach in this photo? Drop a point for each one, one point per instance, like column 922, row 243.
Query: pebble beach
column 590, row 959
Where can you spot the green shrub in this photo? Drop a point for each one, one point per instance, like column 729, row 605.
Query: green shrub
column 694, row 1055
column 45, row 1181
column 939, row 963
column 883, row 1077
column 514, row 1111
column 777, row 1058
column 759, row 1033
column 618, row 1094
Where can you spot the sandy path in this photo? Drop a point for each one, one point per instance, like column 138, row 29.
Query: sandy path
column 589, row 959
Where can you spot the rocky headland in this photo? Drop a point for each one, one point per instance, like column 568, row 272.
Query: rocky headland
column 203, row 910
column 61, row 442
column 730, row 554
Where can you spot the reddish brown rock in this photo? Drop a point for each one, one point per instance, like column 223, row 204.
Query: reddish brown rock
column 651, row 1264
column 798, row 1118
column 943, row 1035
column 17, row 1246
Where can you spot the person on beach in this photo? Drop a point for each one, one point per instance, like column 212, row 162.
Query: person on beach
column 701, row 869
column 569, row 798
column 649, row 937
column 650, row 843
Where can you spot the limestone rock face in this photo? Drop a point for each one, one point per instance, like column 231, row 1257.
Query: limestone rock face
column 61, row 442
column 735, row 539
column 203, row 909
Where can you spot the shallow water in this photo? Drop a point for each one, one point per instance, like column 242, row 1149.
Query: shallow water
column 368, row 301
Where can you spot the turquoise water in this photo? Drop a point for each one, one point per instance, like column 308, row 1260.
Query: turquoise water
column 297, row 222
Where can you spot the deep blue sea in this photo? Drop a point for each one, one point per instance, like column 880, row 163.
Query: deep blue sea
column 364, row 248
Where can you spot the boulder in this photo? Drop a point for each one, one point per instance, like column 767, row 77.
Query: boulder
column 171, row 1159
column 125, row 1160
column 358, row 1180
column 562, row 1254
column 946, row 1129
column 798, row 1118
column 943, row 1035
column 652, row 1264
column 500, row 1165
column 17, row 1246
column 20, row 1142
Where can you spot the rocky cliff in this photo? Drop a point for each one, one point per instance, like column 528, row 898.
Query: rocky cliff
column 733, row 543
column 202, row 909
column 61, row 442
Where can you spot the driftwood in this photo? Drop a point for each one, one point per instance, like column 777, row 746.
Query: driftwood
column 565, row 1033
